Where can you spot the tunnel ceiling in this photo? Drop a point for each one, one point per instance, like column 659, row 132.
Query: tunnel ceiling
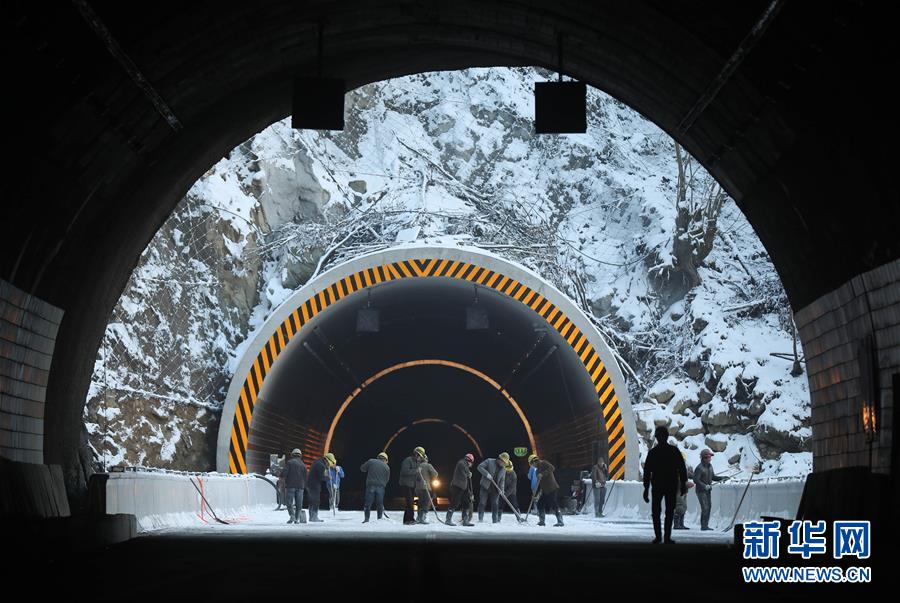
column 426, row 319
column 793, row 121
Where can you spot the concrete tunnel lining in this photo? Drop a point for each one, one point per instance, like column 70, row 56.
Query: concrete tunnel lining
column 305, row 308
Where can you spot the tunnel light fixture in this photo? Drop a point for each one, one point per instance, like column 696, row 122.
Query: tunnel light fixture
column 318, row 102
column 476, row 316
column 368, row 319
column 560, row 107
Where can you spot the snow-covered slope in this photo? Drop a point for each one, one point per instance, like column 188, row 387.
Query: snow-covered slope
column 450, row 157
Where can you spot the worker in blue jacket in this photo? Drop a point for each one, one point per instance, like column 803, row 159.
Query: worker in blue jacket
column 337, row 474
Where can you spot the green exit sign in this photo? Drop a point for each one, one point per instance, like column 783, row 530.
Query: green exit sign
column 520, row 451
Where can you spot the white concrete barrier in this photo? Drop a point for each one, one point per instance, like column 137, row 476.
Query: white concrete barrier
column 164, row 500
column 775, row 498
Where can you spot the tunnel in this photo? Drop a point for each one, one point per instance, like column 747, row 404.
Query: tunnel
column 130, row 112
column 453, row 349
column 784, row 103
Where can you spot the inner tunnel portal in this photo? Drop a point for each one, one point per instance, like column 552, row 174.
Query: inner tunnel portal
column 440, row 362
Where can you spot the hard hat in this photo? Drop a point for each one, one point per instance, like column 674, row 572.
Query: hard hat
column 330, row 458
column 419, row 450
column 706, row 452
column 469, row 457
column 509, row 466
column 532, row 458
column 296, row 452
column 383, row 456
column 504, row 456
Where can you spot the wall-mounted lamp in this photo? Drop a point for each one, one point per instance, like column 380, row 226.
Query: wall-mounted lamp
column 870, row 410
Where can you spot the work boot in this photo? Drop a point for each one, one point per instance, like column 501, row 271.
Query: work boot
column 706, row 529
column 291, row 518
column 366, row 515
column 448, row 518
column 657, row 540
column 480, row 516
column 559, row 522
column 669, row 541
column 541, row 517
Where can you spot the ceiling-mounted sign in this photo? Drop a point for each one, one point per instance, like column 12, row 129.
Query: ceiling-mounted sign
column 520, row 451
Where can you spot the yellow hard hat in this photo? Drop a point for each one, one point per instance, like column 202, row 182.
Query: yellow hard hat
column 503, row 456
column 509, row 466
column 383, row 456
column 419, row 450
column 532, row 458
column 330, row 458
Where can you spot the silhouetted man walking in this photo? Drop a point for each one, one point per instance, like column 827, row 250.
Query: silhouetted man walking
column 665, row 470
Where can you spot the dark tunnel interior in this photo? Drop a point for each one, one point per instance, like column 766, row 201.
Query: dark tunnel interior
column 439, row 406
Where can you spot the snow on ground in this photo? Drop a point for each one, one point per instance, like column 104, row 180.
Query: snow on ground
column 348, row 525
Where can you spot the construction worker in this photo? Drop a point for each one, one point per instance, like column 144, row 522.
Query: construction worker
column 510, row 483
column 548, row 487
column 409, row 472
column 337, row 474
column 665, row 470
column 294, row 475
column 426, row 474
column 493, row 473
column 704, row 477
column 599, row 475
column 681, row 503
column 377, row 475
column 276, row 469
column 318, row 474
column 461, row 490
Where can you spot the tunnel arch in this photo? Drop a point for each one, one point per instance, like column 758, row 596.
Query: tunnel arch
column 761, row 121
column 458, row 428
column 309, row 303
column 432, row 362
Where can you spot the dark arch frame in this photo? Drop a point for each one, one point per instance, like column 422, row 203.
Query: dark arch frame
column 120, row 167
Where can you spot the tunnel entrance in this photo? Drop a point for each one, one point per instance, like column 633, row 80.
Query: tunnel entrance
column 458, row 356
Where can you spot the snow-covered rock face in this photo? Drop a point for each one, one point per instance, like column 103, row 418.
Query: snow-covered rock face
column 639, row 236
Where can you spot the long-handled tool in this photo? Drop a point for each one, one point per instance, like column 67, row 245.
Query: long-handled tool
column 519, row 517
column 268, row 481
column 470, row 508
column 611, row 488
column 206, row 502
column 534, row 498
column 741, row 502
column 331, row 496
column 428, row 493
